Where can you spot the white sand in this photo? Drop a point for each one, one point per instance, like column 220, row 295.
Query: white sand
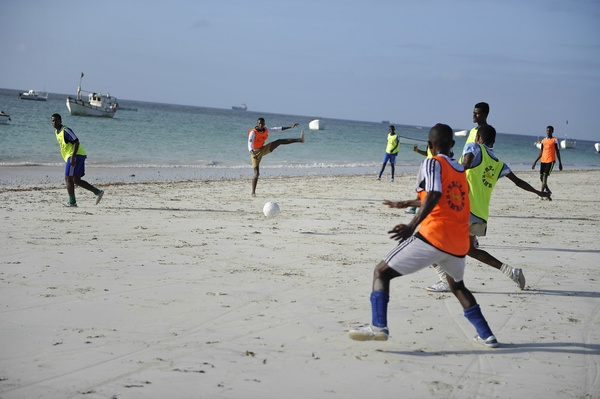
column 185, row 290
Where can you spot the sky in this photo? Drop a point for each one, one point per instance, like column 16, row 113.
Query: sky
column 420, row 62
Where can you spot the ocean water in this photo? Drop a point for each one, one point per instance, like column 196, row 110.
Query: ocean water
column 212, row 142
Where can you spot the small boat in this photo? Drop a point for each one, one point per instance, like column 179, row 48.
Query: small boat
column 461, row 133
column 538, row 144
column 4, row 118
column 567, row 143
column 241, row 107
column 316, row 124
column 34, row 96
column 597, row 147
column 385, row 122
column 95, row 105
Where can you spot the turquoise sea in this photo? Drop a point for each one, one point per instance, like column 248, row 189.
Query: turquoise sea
column 212, row 142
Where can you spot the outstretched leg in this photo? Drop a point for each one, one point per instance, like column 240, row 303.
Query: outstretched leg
column 279, row 142
column 472, row 312
column 515, row 274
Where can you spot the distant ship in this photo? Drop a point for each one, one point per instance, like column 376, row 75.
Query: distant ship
column 241, row 107
column 34, row 95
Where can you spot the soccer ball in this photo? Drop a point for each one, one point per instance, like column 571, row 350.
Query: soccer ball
column 271, row 209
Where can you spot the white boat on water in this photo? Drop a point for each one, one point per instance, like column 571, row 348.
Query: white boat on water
column 316, row 124
column 538, row 144
column 34, row 96
column 4, row 118
column 567, row 143
column 597, row 147
column 241, row 107
column 95, row 105
column 461, row 133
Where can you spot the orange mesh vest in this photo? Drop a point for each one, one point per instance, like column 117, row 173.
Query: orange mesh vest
column 259, row 137
column 549, row 150
column 447, row 226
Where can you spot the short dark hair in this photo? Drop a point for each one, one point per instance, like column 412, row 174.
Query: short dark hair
column 441, row 134
column 487, row 134
column 485, row 107
column 57, row 116
column 550, row 127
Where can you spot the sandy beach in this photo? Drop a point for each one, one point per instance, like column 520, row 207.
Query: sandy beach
column 185, row 290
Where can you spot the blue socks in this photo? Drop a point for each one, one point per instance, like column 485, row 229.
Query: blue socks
column 475, row 317
column 379, row 303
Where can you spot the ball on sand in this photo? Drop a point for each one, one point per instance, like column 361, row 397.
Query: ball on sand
column 271, row 209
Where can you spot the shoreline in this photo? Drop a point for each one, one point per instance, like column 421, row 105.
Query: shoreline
column 23, row 177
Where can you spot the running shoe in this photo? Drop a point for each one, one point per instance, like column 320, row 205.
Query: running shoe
column 518, row 277
column 412, row 210
column 369, row 333
column 440, row 286
column 490, row 342
column 71, row 205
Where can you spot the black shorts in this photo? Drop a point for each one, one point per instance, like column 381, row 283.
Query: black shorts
column 546, row 168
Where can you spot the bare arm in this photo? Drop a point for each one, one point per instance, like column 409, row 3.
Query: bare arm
column 539, row 156
column 522, row 184
column 558, row 156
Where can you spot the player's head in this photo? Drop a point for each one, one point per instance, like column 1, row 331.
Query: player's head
column 550, row 130
column 260, row 122
column 480, row 113
column 486, row 135
column 441, row 139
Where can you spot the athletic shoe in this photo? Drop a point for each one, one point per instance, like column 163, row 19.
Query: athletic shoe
column 518, row 277
column 369, row 333
column 412, row 210
column 392, row 180
column 440, row 286
column 379, row 178
column 99, row 196
column 490, row 342
column 71, row 205
column 548, row 191
column 476, row 242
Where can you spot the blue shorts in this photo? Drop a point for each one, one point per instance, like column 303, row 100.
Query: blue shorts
column 390, row 157
column 79, row 169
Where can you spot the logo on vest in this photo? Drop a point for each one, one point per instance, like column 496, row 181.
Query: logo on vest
column 455, row 196
column 487, row 177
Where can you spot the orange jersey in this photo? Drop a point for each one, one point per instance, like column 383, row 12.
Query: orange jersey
column 549, row 150
column 447, row 225
column 259, row 137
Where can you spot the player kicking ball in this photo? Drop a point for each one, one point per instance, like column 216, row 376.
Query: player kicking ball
column 442, row 238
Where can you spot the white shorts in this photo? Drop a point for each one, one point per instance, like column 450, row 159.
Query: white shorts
column 415, row 254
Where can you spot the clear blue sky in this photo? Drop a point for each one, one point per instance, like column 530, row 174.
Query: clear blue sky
column 416, row 62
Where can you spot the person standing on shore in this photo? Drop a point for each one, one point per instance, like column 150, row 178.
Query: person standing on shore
column 74, row 155
column 257, row 138
column 480, row 114
column 549, row 151
column 391, row 151
column 442, row 238
column 483, row 171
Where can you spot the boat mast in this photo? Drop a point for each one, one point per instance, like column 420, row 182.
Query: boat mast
column 79, row 87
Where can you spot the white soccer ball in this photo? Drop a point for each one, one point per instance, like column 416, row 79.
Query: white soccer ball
column 271, row 209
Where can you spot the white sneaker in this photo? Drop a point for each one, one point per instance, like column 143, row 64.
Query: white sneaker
column 490, row 342
column 476, row 242
column 369, row 333
column 71, row 205
column 518, row 277
column 440, row 286
column 412, row 210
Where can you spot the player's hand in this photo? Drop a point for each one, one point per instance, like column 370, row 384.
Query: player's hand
column 401, row 232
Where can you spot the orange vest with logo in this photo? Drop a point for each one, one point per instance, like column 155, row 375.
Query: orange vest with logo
column 548, row 150
column 259, row 137
column 447, row 226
